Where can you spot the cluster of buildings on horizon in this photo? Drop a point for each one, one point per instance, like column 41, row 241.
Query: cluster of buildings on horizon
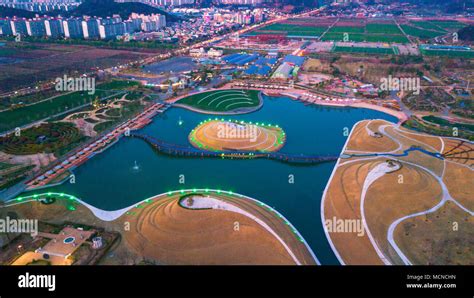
column 42, row 5
column 205, row 22
column 202, row 23
column 161, row 3
column 242, row 2
column 83, row 27
column 190, row 2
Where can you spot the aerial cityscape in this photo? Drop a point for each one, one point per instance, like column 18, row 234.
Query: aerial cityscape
column 236, row 132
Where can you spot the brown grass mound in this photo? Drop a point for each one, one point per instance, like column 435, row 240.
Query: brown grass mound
column 432, row 141
column 459, row 151
column 459, row 181
column 225, row 135
column 361, row 140
column 165, row 231
column 388, row 200
column 343, row 202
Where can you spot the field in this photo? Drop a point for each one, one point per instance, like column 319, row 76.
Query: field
column 437, row 129
column 448, row 24
column 369, row 32
column 343, row 29
column 431, row 239
column 420, row 32
column 362, row 141
column 418, row 192
column 44, row 62
column 448, row 53
column 428, row 29
column 24, row 115
column 226, row 135
column 228, row 101
column 428, row 25
column 364, row 50
column 359, row 30
column 292, row 30
column 167, row 232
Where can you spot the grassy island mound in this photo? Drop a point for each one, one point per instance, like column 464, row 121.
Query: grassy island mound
column 222, row 135
column 232, row 101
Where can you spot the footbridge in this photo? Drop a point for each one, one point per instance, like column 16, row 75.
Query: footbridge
column 188, row 151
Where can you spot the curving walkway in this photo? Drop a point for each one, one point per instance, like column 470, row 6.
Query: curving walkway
column 185, row 151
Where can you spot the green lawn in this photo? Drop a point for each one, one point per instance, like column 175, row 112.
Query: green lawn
column 384, row 51
column 340, row 36
column 383, row 28
column 449, row 24
column 444, row 122
column 58, row 138
column 290, row 30
column 454, row 54
column 357, row 37
column 223, row 100
column 4, row 166
column 343, row 29
column 128, row 110
column 427, row 25
column 420, row 33
column 386, row 38
column 27, row 114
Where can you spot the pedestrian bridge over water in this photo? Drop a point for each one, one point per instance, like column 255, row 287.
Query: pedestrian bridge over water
column 188, row 151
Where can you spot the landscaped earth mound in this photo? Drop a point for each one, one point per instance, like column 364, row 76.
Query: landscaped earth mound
column 223, row 101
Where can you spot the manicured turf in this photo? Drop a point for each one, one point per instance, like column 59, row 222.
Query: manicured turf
column 428, row 25
column 291, row 30
column 57, row 137
column 384, row 51
column 383, row 28
column 223, row 100
column 340, row 36
column 365, row 37
column 444, row 122
column 448, row 53
column 4, row 166
column 343, row 29
column 449, row 24
column 386, row 38
column 420, row 33
column 27, row 114
column 371, row 32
